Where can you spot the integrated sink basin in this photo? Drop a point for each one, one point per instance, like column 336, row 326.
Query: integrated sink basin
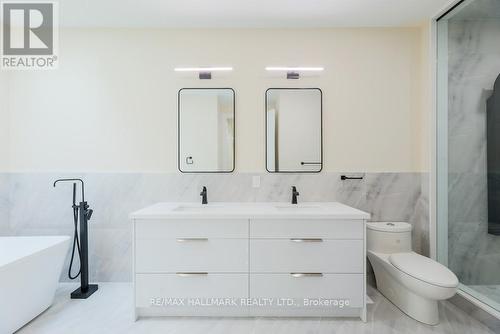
column 199, row 208
column 249, row 210
column 298, row 207
column 217, row 208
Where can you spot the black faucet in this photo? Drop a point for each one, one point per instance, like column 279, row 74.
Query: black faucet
column 203, row 195
column 295, row 193
column 82, row 214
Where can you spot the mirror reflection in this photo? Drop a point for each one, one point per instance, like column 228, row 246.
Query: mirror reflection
column 206, row 130
column 294, row 130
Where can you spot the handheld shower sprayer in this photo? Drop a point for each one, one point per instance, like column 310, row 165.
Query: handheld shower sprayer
column 83, row 213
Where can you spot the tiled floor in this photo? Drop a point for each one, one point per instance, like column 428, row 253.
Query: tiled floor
column 110, row 311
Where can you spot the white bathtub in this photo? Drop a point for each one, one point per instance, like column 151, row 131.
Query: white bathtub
column 29, row 274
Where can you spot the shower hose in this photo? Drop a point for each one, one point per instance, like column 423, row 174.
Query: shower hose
column 76, row 242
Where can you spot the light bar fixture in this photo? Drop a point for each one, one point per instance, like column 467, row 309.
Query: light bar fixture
column 202, row 69
column 203, row 72
column 294, row 72
column 294, row 69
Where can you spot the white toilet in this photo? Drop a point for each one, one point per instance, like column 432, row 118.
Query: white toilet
column 413, row 282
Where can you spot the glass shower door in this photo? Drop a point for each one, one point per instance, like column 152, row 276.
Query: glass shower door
column 468, row 147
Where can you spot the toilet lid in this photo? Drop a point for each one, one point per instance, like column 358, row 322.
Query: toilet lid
column 424, row 269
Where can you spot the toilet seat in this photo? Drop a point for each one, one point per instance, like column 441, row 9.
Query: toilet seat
column 424, row 269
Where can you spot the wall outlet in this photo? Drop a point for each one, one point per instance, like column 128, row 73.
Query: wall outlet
column 256, row 181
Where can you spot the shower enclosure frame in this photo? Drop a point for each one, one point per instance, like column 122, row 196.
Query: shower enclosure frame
column 438, row 180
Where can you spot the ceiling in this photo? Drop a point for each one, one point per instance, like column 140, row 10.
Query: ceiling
column 246, row 13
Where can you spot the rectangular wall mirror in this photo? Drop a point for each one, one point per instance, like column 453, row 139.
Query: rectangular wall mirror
column 206, row 130
column 294, row 130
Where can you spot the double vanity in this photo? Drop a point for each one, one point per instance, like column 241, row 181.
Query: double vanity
column 250, row 259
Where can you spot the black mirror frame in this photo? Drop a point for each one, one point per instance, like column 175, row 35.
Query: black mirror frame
column 321, row 129
column 179, row 131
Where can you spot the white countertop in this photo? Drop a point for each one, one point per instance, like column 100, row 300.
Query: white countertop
column 223, row 210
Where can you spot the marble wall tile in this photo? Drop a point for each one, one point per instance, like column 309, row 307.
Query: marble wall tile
column 474, row 64
column 422, row 216
column 36, row 208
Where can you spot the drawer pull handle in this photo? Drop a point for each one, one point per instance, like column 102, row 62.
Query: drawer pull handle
column 192, row 274
column 306, row 240
column 191, row 239
column 306, row 274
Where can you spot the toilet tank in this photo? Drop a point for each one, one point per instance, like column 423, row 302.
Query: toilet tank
column 388, row 237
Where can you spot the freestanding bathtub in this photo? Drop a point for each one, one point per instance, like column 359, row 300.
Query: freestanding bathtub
column 29, row 275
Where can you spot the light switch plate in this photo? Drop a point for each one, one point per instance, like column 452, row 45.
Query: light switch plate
column 256, row 181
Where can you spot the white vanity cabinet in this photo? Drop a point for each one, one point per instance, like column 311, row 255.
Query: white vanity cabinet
column 249, row 260
column 308, row 259
column 189, row 261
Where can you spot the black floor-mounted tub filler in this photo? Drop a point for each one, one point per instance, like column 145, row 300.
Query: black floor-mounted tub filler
column 82, row 214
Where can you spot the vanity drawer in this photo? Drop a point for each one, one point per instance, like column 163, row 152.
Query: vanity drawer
column 200, row 285
column 306, row 255
column 191, row 254
column 347, row 287
column 190, row 228
column 307, row 228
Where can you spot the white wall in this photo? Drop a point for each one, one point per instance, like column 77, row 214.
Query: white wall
column 424, row 111
column 112, row 104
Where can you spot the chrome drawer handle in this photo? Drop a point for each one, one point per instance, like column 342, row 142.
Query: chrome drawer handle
column 191, row 239
column 189, row 274
column 306, row 274
column 306, row 240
